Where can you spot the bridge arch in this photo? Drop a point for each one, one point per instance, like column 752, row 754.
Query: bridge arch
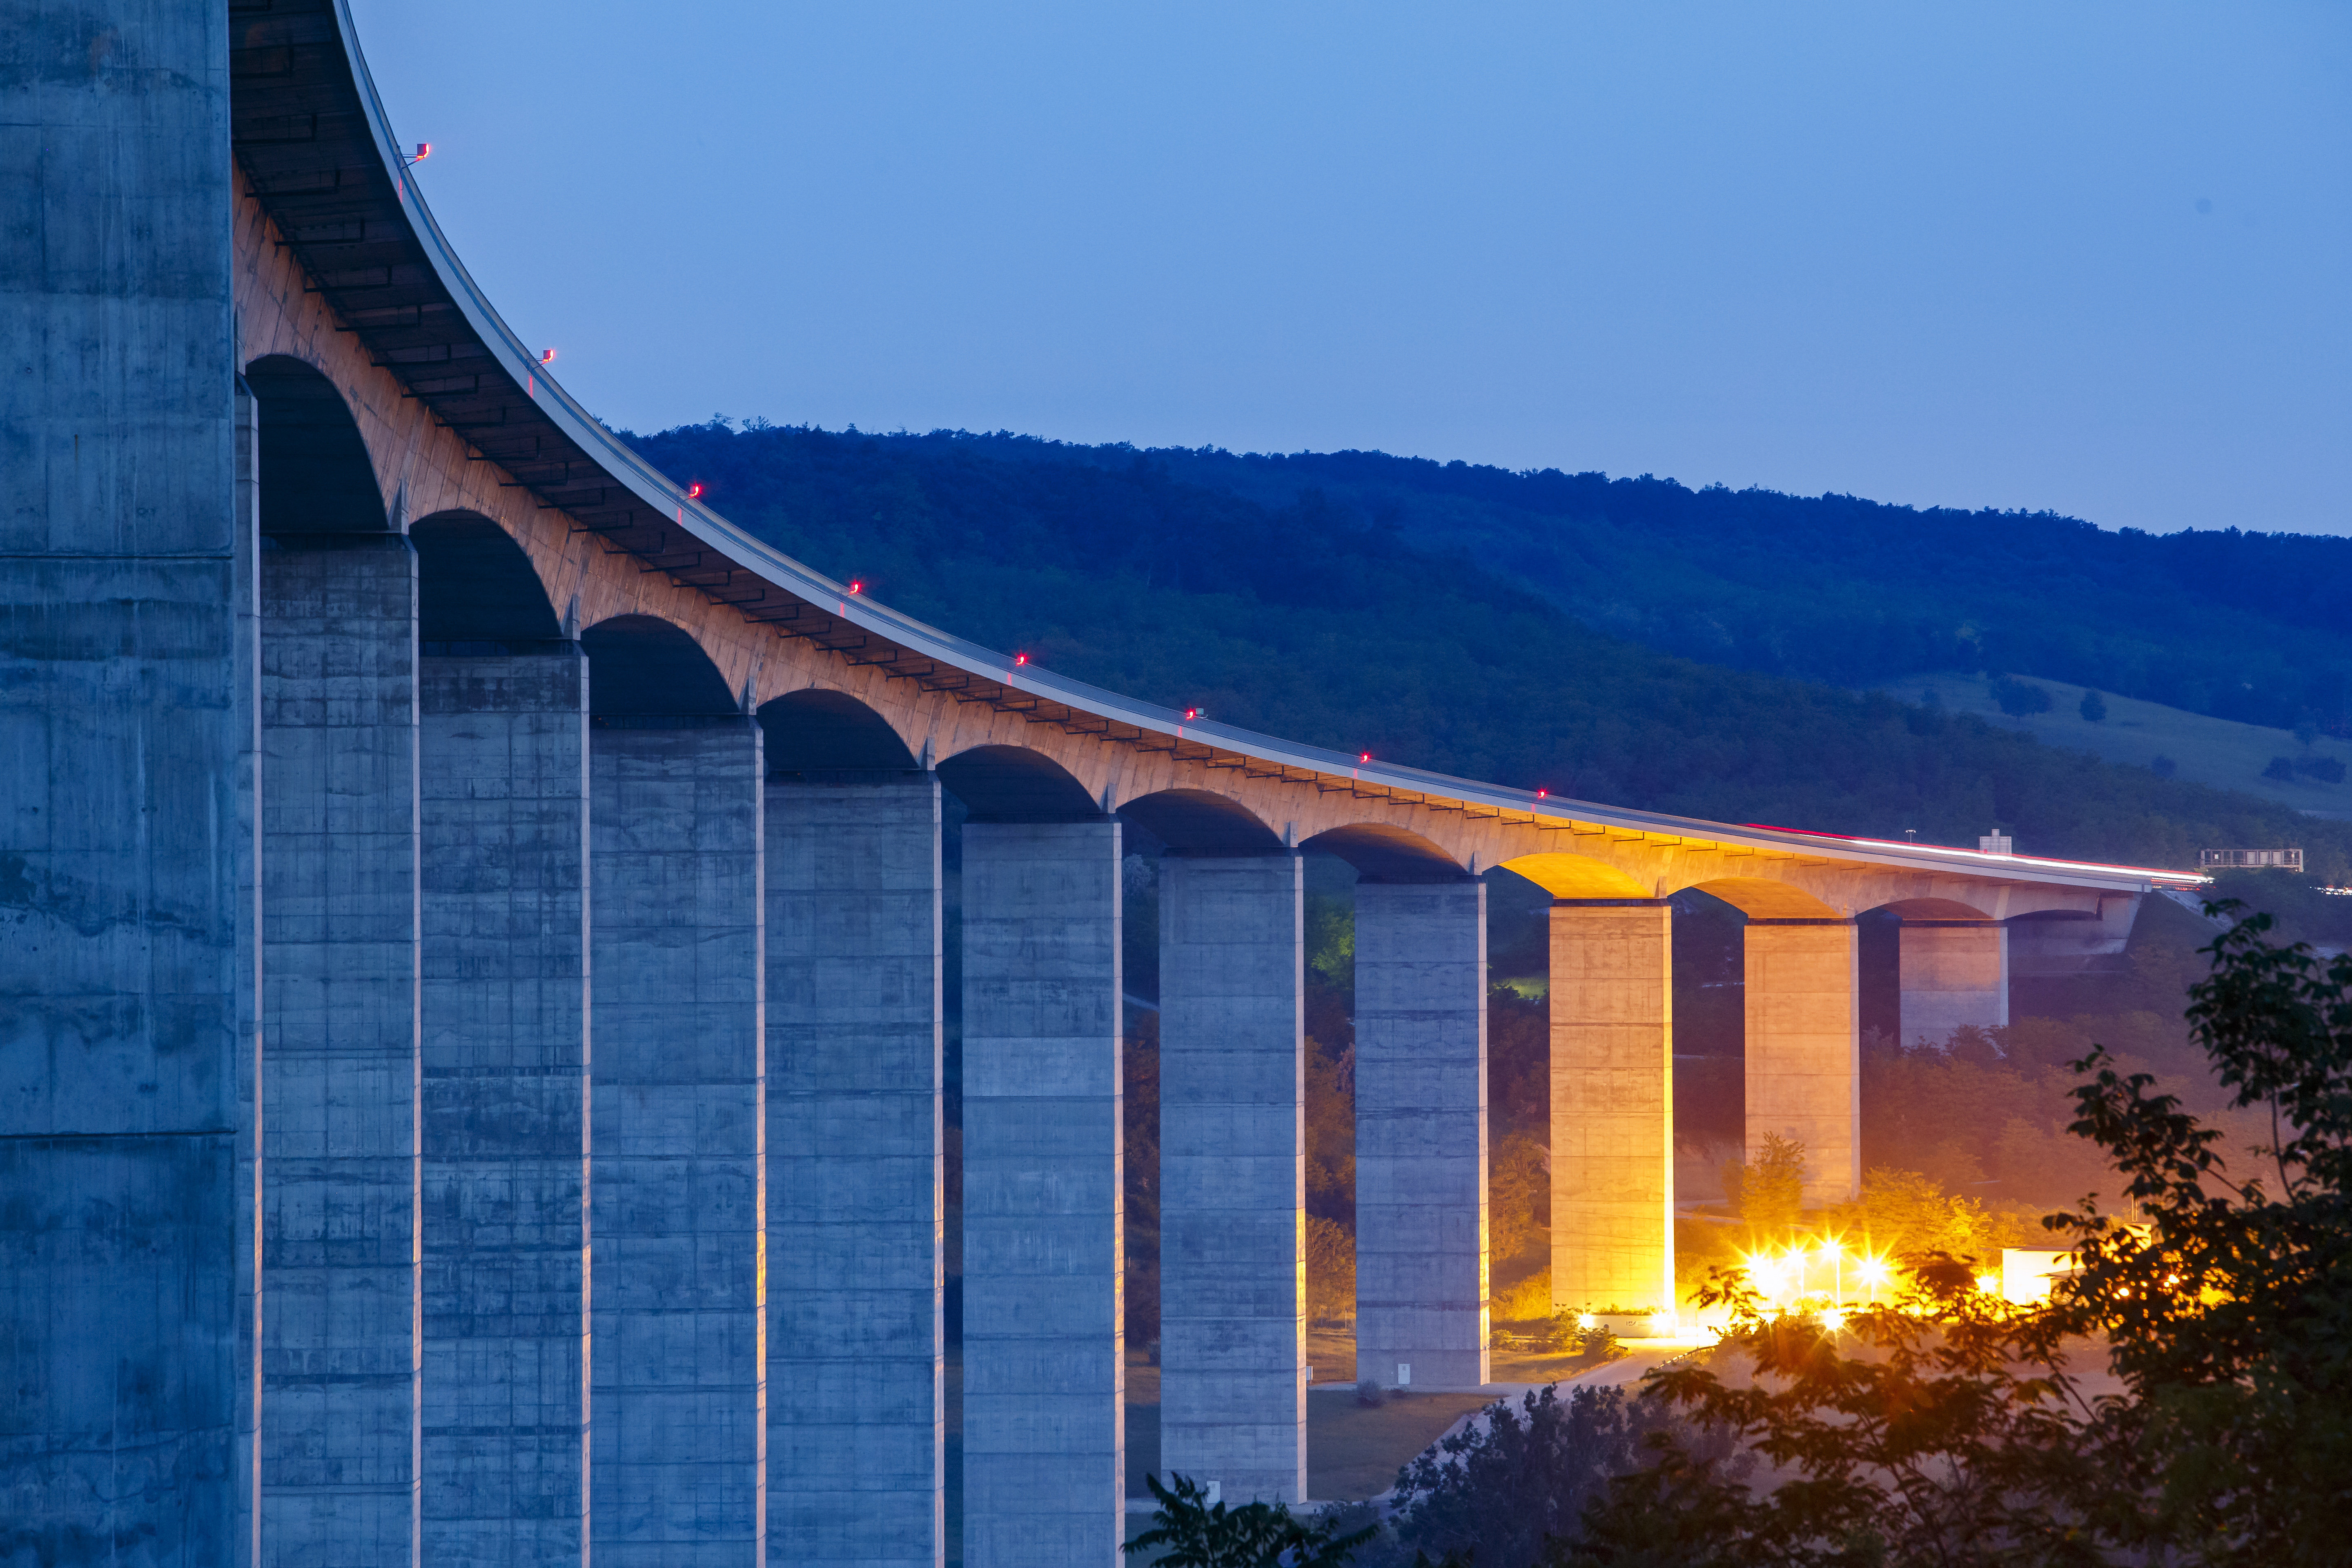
column 1930, row 909
column 1579, row 876
column 1382, row 852
column 821, row 730
column 1762, row 898
column 1201, row 822
column 1014, row 784
column 643, row 666
column 315, row 473
column 474, row 584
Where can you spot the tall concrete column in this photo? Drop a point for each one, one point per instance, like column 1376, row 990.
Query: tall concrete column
column 856, row 1445
column 1954, row 975
column 678, row 1465
column 127, row 707
column 1612, row 1104
column 1804, row 1048
column 339, row 1234
column 1421, row 1133
column 1233, row 1174
column 1044, row 1379
column 505, row 828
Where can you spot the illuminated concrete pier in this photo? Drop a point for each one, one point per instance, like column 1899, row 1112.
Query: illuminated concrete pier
column 1613, row 1155
column 1804, row 1048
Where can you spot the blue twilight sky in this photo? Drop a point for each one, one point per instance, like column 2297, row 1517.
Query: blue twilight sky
column 2090, row 257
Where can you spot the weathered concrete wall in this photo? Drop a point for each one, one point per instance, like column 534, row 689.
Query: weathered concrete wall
column 857, row 1355
column 679, row 1462
column 1421, row 1133
column 1613, row 1106
column 1233, row 1174
column 339, row 1347
column 505, row 829
column 1804, row 1048
column 127, row 707
column 1044, row 1443
column 1953, row 975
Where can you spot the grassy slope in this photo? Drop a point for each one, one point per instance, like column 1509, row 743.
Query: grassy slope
column 2217, row 752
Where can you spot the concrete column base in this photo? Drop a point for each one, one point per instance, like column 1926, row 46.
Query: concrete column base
column 1954, row 975
column 1044, row 1381
column 506, row 1302
column 1233, row 1175
column 1612, row 1105
column 1421, row 1133
column 856, row 1415
column 339, row 1347
column 1804, row 1048
column 679, row 1376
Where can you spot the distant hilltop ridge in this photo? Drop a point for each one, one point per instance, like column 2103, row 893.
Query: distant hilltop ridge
column 1638, row 642
column 2246, row 625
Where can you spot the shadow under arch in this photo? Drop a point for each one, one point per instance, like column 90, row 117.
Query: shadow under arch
column 1576, row 877
column 818, row 730
column 1381, row 853
column 315, row 474
column 474, row 584
column 1761, row 899
column 643, row 666
column 1014, row 784
column 1201, row 822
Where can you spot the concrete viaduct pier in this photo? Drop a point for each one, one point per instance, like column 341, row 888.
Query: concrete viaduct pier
column 472, row 957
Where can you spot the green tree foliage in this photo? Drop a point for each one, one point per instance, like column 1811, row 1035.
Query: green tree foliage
column 1305, row 599
column 1188, row 1532
column 2018, row 698
column 1505, row 1494
column 1768, row 1191
column 1953, row 1429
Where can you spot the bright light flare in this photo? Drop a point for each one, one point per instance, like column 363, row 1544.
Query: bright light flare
column 694, row 492
column 1872, row 1270
column 856, row 586
column 1019, row 659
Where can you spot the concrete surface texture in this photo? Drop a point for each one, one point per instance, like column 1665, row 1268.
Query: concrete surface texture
column 1612, row 1128
column 1421, row 1133
column 678, row 1465
column 1233, row 1174
column 340, row 1345
column 1044, row 1323
column 128, row 701
column 855, row 1349
column 1953, row 973
column 1804, row 1048
column 505, row 1309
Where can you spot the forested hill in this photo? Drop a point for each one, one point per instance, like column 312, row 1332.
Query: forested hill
column 1305, row 612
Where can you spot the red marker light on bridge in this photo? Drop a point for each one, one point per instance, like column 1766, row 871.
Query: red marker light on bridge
column 1192, row 712
column 423, row 151
column 694, row 492
column 856, row 587
column 1019, row 659
column 1543, row 794
column 1365, row 758
column 547, row 356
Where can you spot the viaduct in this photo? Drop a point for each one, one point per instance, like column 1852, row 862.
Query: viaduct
column 471, row 941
